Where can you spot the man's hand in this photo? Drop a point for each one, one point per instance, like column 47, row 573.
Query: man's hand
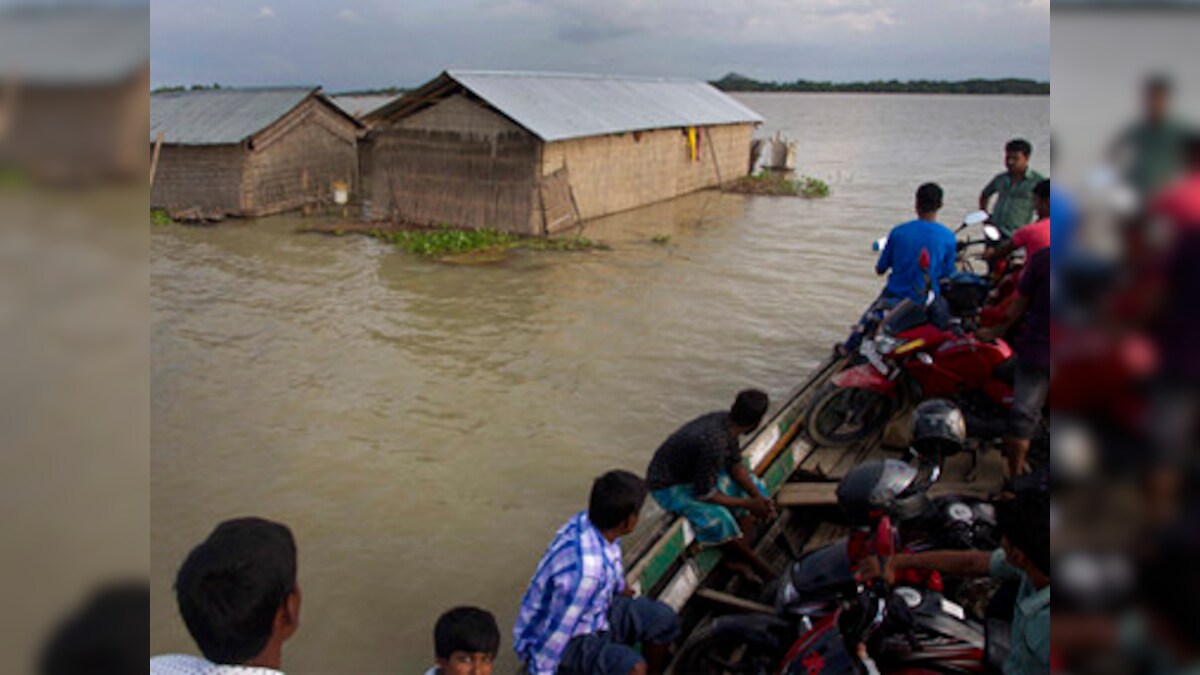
column 869, row 569
column 629, row 592
column 761, row 508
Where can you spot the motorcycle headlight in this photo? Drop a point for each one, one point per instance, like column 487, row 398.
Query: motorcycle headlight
column 886, row 344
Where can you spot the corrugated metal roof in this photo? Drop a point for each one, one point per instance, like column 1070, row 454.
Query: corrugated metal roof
column 73, row 44
column 220, row 116
column 558, row 106
column 360, row 105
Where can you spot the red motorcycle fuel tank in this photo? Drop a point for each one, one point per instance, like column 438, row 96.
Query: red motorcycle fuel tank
column 959, row 364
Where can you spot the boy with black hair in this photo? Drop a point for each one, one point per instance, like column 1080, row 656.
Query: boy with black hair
column 238, row 596
column 577, row 616
column 1014, row 205
column 465, row 642
column 699, row 473
column 1024, row 556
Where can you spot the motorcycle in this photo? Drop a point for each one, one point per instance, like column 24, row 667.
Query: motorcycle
column 919, row 351
column 822, row 613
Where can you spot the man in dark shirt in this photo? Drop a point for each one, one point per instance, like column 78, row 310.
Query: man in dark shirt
column 699, row 473
column 1032, row 346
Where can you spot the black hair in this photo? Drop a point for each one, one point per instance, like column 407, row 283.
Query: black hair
column 108, row 634
column 231, row 586
column 1159, row 84
column 1019, row 145
column 466, row 629
column 749, row 407
column 1025, row 522
column 615, row 496
column 1042, row 189
column 929, row 197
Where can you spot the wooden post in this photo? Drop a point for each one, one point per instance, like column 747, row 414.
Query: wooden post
column 158, row 142
column 304, row 191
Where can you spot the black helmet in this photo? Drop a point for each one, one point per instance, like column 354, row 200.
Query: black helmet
column 886, row 486
column 939, row 429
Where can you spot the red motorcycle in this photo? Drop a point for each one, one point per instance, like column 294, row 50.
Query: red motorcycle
column 915, row 355
column 823, row 614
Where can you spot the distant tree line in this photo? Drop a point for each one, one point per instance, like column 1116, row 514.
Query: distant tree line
column 178, row 88
column 735, row 82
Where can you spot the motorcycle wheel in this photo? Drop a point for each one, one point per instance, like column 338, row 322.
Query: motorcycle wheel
column 709, row 653
column 841, row 416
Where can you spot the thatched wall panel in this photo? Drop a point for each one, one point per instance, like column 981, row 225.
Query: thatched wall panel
column 455, row 163
column 297, row 163
column 623, row 171
column 205, row 177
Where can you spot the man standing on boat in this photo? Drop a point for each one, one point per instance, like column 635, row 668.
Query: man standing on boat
column 699, row 473
column 1013, row 189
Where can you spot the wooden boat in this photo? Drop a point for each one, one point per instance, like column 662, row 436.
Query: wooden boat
column 663, row 561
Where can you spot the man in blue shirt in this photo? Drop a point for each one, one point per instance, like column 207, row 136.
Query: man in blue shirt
column 902, row 255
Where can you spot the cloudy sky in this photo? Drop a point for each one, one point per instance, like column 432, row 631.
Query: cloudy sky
column 373, row 43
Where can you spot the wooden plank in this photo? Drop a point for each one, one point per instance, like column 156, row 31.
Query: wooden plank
column 735, row 602
column 158, row 143
column 807, row 494
column 825, row 534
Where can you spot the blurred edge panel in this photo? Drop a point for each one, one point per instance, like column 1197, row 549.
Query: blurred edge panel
column 74, row 88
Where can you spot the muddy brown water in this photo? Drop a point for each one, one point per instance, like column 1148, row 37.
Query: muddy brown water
column 424, row 428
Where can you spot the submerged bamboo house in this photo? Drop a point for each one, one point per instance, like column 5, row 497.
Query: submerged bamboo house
column 250, row 152
column 73, row 82
column 534, row 153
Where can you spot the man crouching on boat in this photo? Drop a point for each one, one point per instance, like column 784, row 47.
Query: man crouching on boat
column 578, row 618
column 699, row 473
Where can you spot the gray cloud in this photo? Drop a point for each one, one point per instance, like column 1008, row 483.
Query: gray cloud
column 409, row 42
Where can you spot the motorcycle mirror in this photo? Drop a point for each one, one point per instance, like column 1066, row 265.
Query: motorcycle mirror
column 976, row 218
column 991, row 232
column 879, row 244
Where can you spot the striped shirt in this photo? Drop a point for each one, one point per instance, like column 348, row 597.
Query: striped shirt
column 569, row 595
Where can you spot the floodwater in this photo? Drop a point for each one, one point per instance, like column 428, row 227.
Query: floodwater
column 424, row 428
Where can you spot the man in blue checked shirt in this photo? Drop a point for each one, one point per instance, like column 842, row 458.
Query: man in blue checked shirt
column 577, row 616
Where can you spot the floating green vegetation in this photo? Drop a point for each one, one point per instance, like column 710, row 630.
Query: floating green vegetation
column 12, row 177
column 779, row 184
column 160, row 217
column 660, row 239
column 445, row 242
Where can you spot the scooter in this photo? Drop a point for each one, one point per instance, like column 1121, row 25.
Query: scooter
column 822, row 613
column 919, row 351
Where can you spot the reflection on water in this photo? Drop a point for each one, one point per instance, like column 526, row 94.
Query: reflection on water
column 424, row 428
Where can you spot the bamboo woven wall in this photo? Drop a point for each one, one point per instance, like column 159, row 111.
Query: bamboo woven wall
column 623, row 171
column 296, row 161
column 77, row 132
column 205, row 177
column 455, row 163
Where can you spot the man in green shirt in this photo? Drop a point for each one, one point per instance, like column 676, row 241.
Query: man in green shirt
column 1024, row 557
column 1150, row 151
column 1014, row 205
